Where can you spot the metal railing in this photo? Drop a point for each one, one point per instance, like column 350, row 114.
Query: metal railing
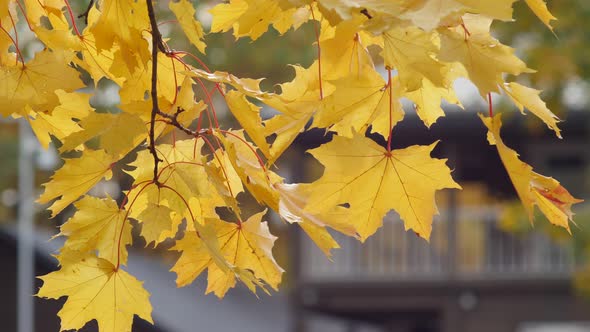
column 465, row 243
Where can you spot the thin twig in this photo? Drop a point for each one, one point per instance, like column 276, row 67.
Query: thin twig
column 85, row 14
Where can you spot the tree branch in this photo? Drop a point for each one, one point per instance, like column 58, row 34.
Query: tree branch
column 156, row 40
column 85, row 14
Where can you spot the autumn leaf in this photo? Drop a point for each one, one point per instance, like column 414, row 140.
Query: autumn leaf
column 248, row 115
column 96, row 290
column 156, row 220
column 539, row 7
column 100, row 225
column 411, row 51
column 293, row 200
column 246, row 246
column 118, row 133
column 121, row 22
column 428, row 99
column 252, row 17
column 359, row 102
column 75, row 178
column 553, row 200
column 185, row 14
column 297, row 103
column 524, row 97
column 374, row 181
column 23, row 85
column 483, row 58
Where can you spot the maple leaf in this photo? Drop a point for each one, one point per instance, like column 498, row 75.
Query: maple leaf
column 23, row 85
column 532, row 188
column 359, row 102
column 294, row 198
column 122, row 22
column 411, row 51
column 539, row 7
column 248, row 115
column 297, row 103
column 252, row 17
column 500, row 9
column 181, row 176
column 259, row 181
column 345, row 52
column 427, row 100
column 484, row 59
column 100, row 225
column 185, row 14
column 374, row 181
column 156, row 220
column 75, row 178
column 335, row 10
column 36, row 10
column 98, row 290
column 524, row 97
column 247, row 246
column 118, row 133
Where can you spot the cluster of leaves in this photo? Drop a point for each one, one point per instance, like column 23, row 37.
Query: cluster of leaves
column 185, row 166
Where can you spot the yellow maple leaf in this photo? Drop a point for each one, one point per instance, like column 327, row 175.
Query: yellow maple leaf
column 374, row 181
column 436, row 13
column 297, row 103
column 539, row 7
column 252, row 17
column 359, row 102
column 122, row 22
column 23, row 85
column 185, row 14
column 525, row 97
column 182, row 175
column 223, row 180
column 156, row 223
column 411, row 51
column 427, row 100
column 345, row 53
column 98, row 224
column 137, row 82
column 245, row 246
column 60, row 122
column 335, row 10
column 499, row 9
column 248, row 115
column 96, row 290
column 118, row 133
column 37, row 9
column 532, row 188
column 484, row 59
column 294, row 198
column 75, row 178
column 259, row 181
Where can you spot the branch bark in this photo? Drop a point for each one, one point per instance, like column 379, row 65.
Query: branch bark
column 156, row 41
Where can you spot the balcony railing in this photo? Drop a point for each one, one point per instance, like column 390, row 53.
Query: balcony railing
column 466, row 243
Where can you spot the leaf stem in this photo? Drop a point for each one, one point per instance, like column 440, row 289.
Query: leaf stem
column 123, row 223
column 19, row 54
column 24, row 14
column 71, row 14
column 390, row 87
